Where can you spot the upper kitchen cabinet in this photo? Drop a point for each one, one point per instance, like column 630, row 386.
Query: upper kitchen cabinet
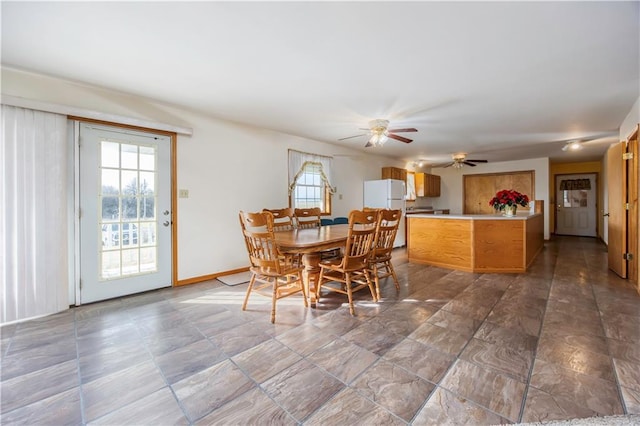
column 411, row 186
column 394, row 173
column 427, row 185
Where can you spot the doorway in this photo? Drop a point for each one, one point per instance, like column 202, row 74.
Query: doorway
column 125, row 204
column 576, row 209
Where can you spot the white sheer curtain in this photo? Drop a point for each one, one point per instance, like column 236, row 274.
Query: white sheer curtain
column 297, row 161
column 34, row 165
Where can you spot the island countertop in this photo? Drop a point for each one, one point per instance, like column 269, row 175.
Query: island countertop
column 476, row 243
column 519, row 216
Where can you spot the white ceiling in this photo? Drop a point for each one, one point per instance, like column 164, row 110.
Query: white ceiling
column 499, row 80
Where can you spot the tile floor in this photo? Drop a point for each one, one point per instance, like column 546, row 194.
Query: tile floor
column 558, row 342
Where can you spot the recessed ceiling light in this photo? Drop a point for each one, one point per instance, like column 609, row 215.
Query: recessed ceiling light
column 572, row 146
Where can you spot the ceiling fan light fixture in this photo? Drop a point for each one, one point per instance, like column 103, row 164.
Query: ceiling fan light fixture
column 457, row 164
column 378, row 136
column 572, row 146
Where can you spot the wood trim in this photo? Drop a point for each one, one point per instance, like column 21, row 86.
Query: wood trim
column 633, row 176
column 123, row 126
column 202, row 278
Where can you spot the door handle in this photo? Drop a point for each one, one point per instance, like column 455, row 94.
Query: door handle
column 605, row 215
column 166, row 223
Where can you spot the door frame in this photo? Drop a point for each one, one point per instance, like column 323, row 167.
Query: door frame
column 173, row 194
column 555, row 197
column 633, row 184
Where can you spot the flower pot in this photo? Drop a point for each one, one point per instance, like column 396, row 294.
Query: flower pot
column 509, row 211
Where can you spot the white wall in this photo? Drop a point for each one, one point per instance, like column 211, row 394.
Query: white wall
column 225, row 166
column 452, row 183
column 631, row 121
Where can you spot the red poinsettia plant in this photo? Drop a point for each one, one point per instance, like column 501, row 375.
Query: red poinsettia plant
column 508, row 197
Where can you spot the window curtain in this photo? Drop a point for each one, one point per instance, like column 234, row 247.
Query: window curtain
column 575, row 184
column 34, row 233
column 297, row 162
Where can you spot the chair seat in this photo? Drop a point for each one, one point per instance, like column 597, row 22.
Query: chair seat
column 336, row 264
column 380, row 259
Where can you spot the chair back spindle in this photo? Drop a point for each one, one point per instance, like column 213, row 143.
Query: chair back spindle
column 308, row 218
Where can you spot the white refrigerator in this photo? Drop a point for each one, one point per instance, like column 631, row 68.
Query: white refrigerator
column 387, row 194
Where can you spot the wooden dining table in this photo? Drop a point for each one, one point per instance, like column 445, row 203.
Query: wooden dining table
column 310, row 243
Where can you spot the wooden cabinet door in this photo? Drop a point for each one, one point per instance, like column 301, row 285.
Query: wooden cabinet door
column 479, row 189
column 434, row 185
column 420, row 185
column 394, row 173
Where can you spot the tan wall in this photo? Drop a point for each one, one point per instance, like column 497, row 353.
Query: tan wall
column 577, row 168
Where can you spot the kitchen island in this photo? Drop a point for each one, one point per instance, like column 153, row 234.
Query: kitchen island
column 476, row 243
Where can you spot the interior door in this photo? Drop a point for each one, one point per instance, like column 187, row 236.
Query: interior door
column 617, row 215
column 576, row 205
column 125, row 222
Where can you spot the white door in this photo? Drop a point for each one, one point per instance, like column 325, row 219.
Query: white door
column 125, row 220
column 576, row 205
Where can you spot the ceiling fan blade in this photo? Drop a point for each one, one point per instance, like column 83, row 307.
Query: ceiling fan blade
column 410, row 129
column 399, row 138
column 368, row 144
column 477, row 161
column 446, row 165
column 469, row 164
column 350, row 137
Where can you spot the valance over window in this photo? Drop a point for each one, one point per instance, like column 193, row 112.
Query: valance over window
column 299, row 160
column 575, row 184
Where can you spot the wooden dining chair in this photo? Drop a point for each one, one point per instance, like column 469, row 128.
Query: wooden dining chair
column 380, row 265
column 308, row 218
column 269, row 268
column 283, row 219
column 351, row 271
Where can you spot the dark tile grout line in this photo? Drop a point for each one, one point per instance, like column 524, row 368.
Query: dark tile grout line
column 535, row 350
column 608, row 340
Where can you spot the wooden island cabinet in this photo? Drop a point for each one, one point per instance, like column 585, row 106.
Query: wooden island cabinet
column 476, row 243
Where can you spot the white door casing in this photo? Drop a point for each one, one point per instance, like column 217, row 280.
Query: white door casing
column 576, row 209
column 125, row 220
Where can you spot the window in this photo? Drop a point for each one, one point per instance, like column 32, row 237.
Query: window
column 310, row 189
column 309, row 181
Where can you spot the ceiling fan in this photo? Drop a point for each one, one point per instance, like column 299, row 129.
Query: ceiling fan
column 379, row 133
column 460, row 160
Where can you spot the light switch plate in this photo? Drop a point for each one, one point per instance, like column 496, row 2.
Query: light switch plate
column 183, row 193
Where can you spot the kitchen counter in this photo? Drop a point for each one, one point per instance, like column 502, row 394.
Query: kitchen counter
column 476, row 243
column 519, row 216
column 427, row 211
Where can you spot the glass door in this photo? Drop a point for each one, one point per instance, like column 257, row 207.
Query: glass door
column 125, row 221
